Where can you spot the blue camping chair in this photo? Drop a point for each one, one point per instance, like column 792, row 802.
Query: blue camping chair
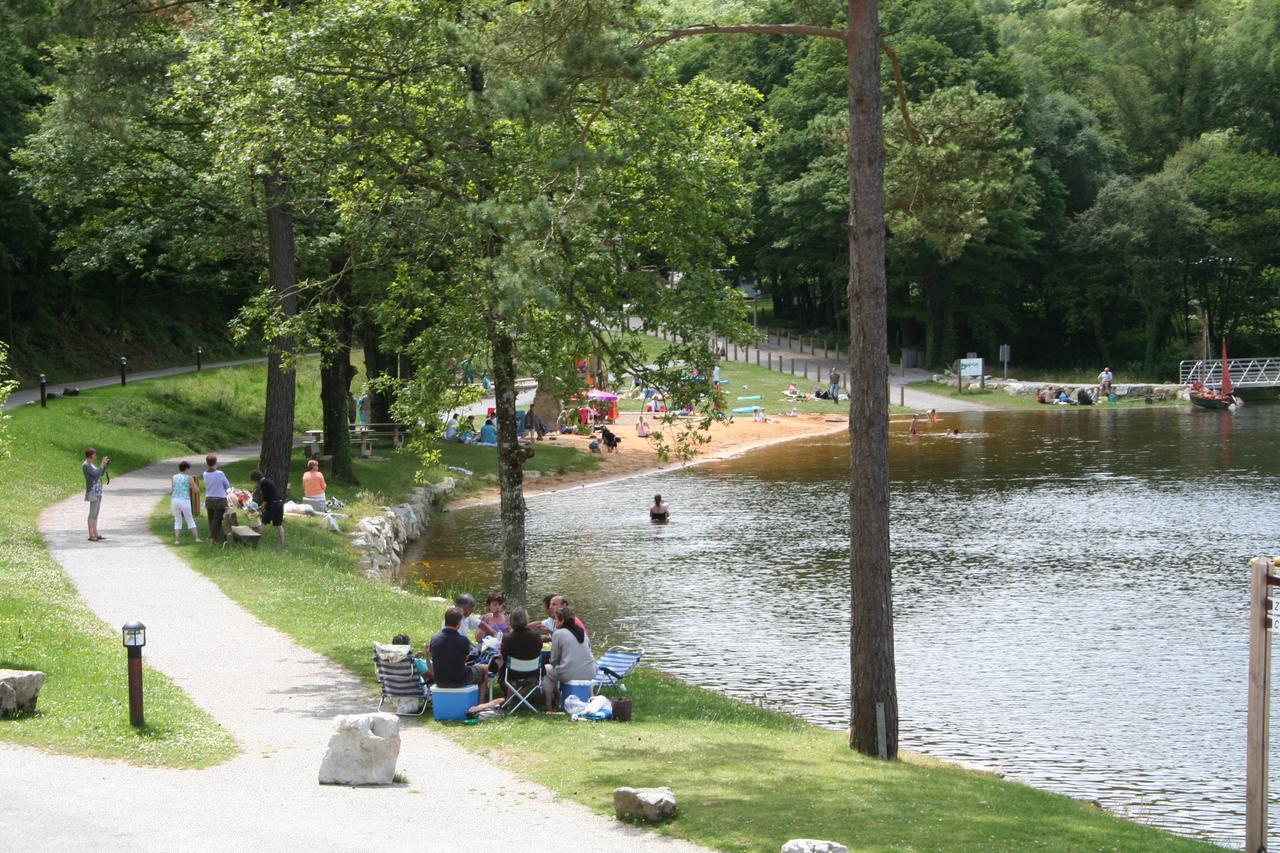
column 615, row 665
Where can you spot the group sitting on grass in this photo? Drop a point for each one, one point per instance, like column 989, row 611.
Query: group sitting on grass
column 470, row 647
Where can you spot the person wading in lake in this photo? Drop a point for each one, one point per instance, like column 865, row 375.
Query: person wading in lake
column 93, row 489
column 660, row 511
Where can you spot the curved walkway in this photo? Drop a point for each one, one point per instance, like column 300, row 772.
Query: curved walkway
column 279, row 700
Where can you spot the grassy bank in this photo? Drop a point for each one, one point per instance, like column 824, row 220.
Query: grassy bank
column 747, row 778
column 748, row 380
column 43, row 623
column 1025, row 401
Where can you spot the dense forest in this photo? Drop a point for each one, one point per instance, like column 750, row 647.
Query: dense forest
column 1090, row 181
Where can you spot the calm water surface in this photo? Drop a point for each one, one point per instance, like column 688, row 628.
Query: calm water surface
column 1070, row 590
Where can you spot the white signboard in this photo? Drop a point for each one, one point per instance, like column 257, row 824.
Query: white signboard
column 971, row 367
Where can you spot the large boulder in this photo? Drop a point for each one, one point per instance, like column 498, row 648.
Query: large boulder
column 651, row 804
column 362, row 751
column 812, row 845
column 19, row 689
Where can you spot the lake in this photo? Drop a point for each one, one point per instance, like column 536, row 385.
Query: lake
column 1070, row 591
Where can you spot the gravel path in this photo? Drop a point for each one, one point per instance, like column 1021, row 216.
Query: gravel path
column 279, row 700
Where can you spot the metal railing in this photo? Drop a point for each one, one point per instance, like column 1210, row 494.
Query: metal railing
column 1245, row 372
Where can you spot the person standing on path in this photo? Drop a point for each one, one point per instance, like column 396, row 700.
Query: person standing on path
column 1104, row 381
column 835, row 386
column 184, row 494
column 216, row 485
column 93, row 489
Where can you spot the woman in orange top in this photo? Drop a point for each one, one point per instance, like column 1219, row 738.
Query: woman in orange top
column 313, row 486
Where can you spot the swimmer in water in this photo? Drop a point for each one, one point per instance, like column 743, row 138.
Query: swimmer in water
column 659, row 511
column 915, row 429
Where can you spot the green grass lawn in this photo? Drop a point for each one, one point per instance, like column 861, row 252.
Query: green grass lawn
column 44, row 625
column 547, row 458
column 1026, row 401
column 747, row 778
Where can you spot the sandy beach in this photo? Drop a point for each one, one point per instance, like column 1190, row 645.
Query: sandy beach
column 637, row 456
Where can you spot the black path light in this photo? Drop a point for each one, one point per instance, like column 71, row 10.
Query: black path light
column 199, row 359
column 135, row 637
column 124, row 369
column 44, row 391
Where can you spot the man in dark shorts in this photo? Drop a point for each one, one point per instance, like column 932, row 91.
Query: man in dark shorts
column 449, row 653
column 272, row 509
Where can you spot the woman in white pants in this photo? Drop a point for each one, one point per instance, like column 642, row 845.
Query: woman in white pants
column 185, row 492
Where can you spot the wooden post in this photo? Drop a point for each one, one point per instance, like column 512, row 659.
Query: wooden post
column 735, row 350
column 793, row 367
column 770, row 359
column 757, row 356
column 1259, row 703
column 902, row 396
column 806, row 370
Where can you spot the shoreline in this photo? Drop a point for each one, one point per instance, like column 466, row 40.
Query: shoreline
column 643, row 461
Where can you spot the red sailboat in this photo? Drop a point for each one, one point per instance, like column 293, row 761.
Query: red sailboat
column 1225, row 398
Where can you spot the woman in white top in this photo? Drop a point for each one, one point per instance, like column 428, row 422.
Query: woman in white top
column 186, row 491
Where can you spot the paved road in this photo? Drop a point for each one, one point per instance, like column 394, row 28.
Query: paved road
column 32, row 395
column 279, row 700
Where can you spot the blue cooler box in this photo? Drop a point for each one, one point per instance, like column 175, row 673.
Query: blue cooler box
column 451, row 703
column 581, row 689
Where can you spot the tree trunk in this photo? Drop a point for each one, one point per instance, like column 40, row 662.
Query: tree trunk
column 1151, row 334
column 336, row 373
column 875, row 695
column 376, row 364
column 511, row 458
column 931, row 285
column 277, row 421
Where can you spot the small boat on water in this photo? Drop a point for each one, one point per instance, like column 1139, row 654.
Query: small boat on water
column 1224, row 398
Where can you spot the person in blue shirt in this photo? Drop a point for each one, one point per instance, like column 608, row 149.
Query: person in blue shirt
column 488, row 433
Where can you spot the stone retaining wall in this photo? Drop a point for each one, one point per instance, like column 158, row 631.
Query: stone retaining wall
column 381, row 539
column 1032, row 389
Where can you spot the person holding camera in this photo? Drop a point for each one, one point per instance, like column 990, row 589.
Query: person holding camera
column 93, row 489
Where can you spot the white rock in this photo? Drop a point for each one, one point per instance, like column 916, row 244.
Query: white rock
column 651, row 804
column 19, row 689
column 812, row 845
column 362, row 751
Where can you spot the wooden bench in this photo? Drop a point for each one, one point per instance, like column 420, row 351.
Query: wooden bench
column 240, row 534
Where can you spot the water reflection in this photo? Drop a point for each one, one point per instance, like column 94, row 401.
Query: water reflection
column 1070, row 591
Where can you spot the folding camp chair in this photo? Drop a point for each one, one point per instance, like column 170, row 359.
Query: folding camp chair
column 518, row 674
column 399, row 680
column 615, row 665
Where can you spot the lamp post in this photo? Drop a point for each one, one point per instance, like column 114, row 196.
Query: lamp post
column 44, row 391
column 135, row 637
column 199, row 359
column 124, row 369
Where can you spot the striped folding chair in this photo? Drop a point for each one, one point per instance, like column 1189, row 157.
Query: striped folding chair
column 399, row 680
column 615, row 665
